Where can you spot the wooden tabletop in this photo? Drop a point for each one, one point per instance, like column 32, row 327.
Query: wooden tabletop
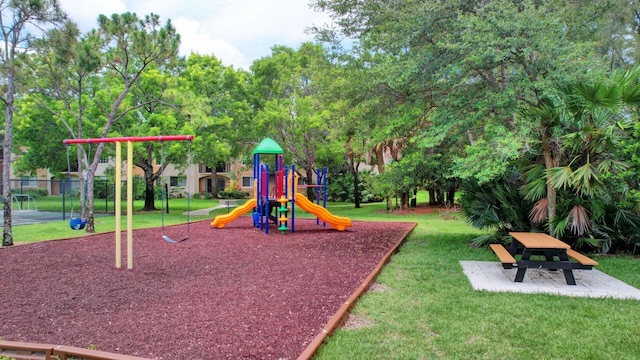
column 538, row 241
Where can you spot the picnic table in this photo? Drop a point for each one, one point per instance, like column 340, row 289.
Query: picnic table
column 557, row 255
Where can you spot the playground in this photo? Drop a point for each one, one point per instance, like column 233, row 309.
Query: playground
column 224, row 293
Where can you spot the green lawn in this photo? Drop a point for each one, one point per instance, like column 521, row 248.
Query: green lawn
column 428, row 309
column 61, row 230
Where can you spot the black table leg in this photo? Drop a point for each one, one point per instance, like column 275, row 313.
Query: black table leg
column 513, row 248
column 568, row 273
column 526, row 255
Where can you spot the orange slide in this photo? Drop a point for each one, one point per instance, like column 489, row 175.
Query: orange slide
column 221, row 220
column 337, row 222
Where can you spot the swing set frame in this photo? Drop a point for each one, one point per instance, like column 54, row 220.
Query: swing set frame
column 118, row 195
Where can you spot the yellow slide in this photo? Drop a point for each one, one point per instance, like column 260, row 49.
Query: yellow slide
column 337, row 222
column 221, row 220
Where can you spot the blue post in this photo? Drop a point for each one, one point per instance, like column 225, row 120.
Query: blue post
column 324, row 189
column 266, row 205
column 256, row 183
column 260, row 201
column 293, row 198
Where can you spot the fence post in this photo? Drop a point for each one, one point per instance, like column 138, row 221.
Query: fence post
column 64, row 189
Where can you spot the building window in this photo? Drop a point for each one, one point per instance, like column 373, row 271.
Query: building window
column 221, row 167
column 246, row 181
column 27, row 181
column 104, row 160
column 178, row 181
column 222, row 184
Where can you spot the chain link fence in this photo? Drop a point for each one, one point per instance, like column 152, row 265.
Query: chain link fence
column 47, row 195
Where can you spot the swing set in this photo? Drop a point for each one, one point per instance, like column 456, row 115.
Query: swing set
column 76, row 222
column 118, row 193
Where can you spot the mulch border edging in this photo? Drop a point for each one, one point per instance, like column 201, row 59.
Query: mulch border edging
column 338, row 319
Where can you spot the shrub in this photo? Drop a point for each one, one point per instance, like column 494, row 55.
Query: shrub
column 35, row 193
column 340, row 188
column 206, row 196
column 496, row 205
column 233, row 194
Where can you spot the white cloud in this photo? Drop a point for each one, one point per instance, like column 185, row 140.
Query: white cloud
column 194, row 39
column 85, row 12
column 236, row 31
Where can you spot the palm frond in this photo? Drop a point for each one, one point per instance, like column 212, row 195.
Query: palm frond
column 585, row 179
column 579, row 220
column 629, row 81
column 535, row 187
column 560, row 177
column 611, row 165
column 539, row 212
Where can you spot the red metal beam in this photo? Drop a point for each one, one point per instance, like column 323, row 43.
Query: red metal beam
column 130, row 138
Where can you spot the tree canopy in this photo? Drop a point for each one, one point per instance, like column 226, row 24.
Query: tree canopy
column 535, row 99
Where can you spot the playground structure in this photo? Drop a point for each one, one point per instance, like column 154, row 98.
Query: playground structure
column 118, row 181
column 277, row 203
column 17, row 201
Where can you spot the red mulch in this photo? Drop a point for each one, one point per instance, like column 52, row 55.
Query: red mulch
column 224, row 293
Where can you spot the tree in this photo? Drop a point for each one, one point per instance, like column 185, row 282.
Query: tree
column 292, row 112
column 66, row 67
column 120, row 51
column 155, row 118
column 220, row 110
column 475, row 65
column 590, row 121
column 22, row 20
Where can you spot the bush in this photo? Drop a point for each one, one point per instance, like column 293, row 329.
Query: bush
column 340, row 188
column 497, row 205
column 233, row 194
column 206, row 196
column 35, row 193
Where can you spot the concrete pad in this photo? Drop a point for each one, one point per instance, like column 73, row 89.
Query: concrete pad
column 490, row 276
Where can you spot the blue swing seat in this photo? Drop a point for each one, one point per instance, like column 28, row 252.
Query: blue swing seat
column 77, row 223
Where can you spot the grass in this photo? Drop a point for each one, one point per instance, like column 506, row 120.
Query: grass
column 430, row 311
column 60, row 229
column 55, row 203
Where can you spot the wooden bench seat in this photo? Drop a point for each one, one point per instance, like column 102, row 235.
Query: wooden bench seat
column 505, row 257
column 582, row 259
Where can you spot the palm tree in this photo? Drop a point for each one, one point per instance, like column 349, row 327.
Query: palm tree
column 583, row 126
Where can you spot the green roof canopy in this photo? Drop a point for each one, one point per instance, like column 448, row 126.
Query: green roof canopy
column 268, row 146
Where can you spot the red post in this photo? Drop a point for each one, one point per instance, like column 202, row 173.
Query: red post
column 130, row 138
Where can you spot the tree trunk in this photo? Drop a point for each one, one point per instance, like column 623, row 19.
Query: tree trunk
column 91, row 225
column 378, row 150
column 7, row 150
column 549, row 162
column 311, row 194
column 356, row 187
column 149, row 190
column 432, row 197
column 451, row 193
column 214, row 181
column 404, row 200
column 354, row 169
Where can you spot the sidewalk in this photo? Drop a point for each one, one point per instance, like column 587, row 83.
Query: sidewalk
column 224, row 203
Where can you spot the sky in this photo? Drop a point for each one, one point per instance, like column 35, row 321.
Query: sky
column 236, row 31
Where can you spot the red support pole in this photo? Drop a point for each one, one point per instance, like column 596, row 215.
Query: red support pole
column 130, row 138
